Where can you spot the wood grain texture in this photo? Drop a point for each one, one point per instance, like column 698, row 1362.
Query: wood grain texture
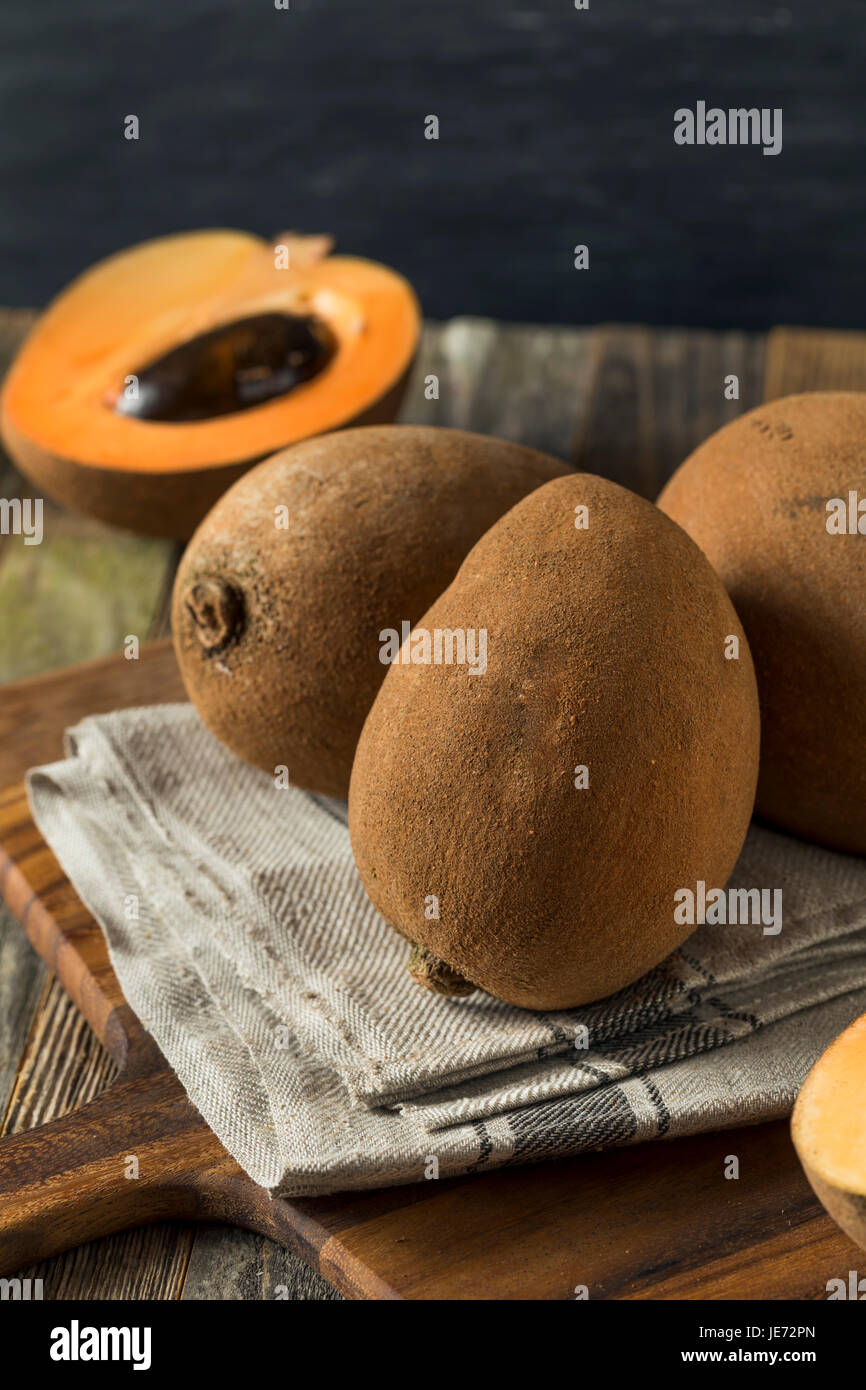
column 30, row 731
column 232, row 1263
column 64, row 1067
column 656, row 394
column 656, row 1221
column 79, row 594
column 22, row 973
column 529, row 385
column 22, row 981
column 806, row 359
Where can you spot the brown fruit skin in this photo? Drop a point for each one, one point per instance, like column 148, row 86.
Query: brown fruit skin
column 848, row 1209
column 754, row 499
column 380, row 520
column 605, row 648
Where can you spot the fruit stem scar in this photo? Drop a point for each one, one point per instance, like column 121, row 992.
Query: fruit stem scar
column 436, row 975
column 217, row 610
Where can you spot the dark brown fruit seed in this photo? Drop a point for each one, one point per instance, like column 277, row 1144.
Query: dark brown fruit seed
column 231, row 368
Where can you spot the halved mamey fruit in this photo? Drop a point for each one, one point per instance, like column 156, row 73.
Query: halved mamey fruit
column 287, row 592
column 829, row 1130
column 158, row 377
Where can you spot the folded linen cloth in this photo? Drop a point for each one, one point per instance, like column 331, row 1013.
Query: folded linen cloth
column 243, row 939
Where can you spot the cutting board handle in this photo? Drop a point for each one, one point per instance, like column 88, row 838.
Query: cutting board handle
column 119, row 1161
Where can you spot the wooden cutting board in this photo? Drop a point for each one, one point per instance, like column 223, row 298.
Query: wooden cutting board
column 654, row 1221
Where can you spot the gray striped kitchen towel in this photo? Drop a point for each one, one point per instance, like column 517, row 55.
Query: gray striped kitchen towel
column 243, row 939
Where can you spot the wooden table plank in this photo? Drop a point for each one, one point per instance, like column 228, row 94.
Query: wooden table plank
column 228, row 1263
column 79, row 594
column 22, row 982
column 668, row 1213
column 24, row 742
column 811, row 359
column 530, row 384
column 22, row 973
column 657, row 394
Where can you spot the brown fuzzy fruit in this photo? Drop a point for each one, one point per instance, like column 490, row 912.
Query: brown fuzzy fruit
column 277, row 626
column 829, row 1130
column 605, row 651
column 754, row 497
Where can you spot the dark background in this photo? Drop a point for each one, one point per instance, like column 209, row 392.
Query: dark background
column 556, row 128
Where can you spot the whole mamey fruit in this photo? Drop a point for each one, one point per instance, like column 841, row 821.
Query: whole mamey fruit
column 526, row 821
column 775, row 500
column 287, row 585
column 829, row 1130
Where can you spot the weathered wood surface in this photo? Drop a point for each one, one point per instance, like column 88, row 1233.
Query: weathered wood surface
column 655, row 1221
column 626, row 402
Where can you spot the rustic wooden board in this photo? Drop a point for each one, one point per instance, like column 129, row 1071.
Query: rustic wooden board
column 623, row 401
column 658, row 1221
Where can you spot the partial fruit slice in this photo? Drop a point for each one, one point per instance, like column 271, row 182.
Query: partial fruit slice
column 157, row 378
column 829, row 1130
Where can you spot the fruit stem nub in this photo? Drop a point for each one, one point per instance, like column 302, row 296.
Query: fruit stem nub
column 217, row 609
column 436, row 975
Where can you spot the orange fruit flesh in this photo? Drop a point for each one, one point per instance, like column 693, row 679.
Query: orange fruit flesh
column 132, row 308
column 829, row 1123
